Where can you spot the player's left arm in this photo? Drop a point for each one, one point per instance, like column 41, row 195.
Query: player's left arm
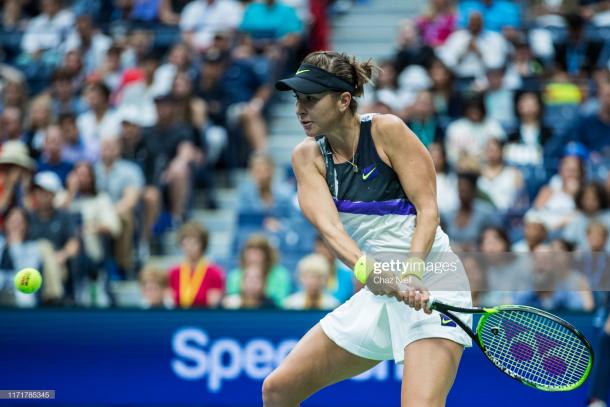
column 413, row 165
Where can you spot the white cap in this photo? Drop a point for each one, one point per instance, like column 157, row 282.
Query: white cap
column 49, row 181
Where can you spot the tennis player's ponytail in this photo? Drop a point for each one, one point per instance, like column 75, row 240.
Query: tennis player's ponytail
column 346, row 67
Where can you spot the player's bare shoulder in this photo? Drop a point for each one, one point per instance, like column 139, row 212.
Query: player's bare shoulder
column 387, row 126
column 306, row 155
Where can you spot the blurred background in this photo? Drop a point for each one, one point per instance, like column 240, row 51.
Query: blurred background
column 145, row 170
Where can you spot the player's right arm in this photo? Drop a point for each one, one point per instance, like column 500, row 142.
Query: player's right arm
column 318, row 207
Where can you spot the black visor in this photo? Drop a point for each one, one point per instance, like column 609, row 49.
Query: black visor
column 310, row 79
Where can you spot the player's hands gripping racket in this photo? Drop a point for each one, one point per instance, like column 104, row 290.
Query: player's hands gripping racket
column 530, row 345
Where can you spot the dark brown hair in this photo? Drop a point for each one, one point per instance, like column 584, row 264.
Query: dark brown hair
column 345, row 67
column 260, row 242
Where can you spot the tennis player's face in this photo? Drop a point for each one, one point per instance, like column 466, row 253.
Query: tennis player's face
column 316, row 112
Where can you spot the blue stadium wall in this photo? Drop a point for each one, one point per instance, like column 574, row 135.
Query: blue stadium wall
column 207, row 358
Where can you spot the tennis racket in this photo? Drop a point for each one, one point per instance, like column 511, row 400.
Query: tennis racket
column 532, row 346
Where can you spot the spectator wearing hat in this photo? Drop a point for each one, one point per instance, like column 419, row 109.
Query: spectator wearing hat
column 51, row 158
column 16, row 168
column 55, row 226
column 123, row 182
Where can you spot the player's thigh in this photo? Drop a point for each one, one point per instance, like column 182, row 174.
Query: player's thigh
column 314, row 363
column 429, row 371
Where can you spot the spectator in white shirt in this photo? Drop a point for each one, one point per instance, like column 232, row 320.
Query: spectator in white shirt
column 471, row 51
column 47, row 31
column 100, row 121
column 202, row 19
column 467, row 137
column 92, row 43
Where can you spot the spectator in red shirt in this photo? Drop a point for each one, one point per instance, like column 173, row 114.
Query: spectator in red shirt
column 196, row 282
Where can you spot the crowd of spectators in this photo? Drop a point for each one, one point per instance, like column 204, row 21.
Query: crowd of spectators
column 111, row 114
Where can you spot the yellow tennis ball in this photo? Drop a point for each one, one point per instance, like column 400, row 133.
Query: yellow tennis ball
column 28, row 280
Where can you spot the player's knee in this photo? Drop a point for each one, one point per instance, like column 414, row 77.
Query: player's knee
column 273, row 391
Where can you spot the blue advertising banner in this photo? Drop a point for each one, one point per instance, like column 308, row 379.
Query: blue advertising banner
column 207, row 358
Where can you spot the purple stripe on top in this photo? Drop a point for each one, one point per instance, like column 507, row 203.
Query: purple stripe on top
column 392, row 207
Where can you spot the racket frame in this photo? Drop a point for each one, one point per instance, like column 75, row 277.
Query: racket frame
column 448, row 310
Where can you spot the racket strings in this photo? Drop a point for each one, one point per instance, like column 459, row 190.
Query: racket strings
column 535, row 348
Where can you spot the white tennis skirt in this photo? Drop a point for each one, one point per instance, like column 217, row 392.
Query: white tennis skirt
column 381, row 327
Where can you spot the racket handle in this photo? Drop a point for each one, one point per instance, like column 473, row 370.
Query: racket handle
column 431, row 302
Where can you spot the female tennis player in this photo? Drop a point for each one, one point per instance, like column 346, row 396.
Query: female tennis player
column 368, row 185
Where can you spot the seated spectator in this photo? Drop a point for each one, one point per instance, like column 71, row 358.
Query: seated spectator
column 313, row 274
column 340, row 283
column 259, row 193
column 505, row 273
column 446, row 180
column 465, row 224
column 272, row 21
column 180, row 59
column 200, row 20
column 534, row 231
column 423, row 121
column 236, row 93
column 170, row 11
column 524, row 70
column 39, row 118
column 502, row 16
column 592, row 130
column 141, row 93
column 64, row 97
column 470, row 52
column 99, row 121
column 123, row 182
column 141, row 11
column 594, row 261
column 555, row 201
column 498, row 96
column 577, row 56
column 592, row 205
column 135, row 150
column 252, row 292
column 196, row 282
column 526, row 143
column 16, row 169
column 169, row 155
column 12, row 125
column 14, row 94
column 190, row 109
column 100, row 221
column 16, row 253
column 110, row 71
column 46, row 32
column 54, row 226
column 466, row 137
column 447, row 102
column 51, row 158
column 437, row 23
column 258, row 251
column 410, row 48
column 73, row 147
column 477, row 279
column 90, row 41
column 155, row 289
column 502, row 183
column 557, row 286
column 387, row 96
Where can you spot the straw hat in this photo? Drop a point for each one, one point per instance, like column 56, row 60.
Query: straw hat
column 16, row 153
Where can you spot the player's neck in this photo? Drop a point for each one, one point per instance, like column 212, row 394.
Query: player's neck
column 344, row 136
